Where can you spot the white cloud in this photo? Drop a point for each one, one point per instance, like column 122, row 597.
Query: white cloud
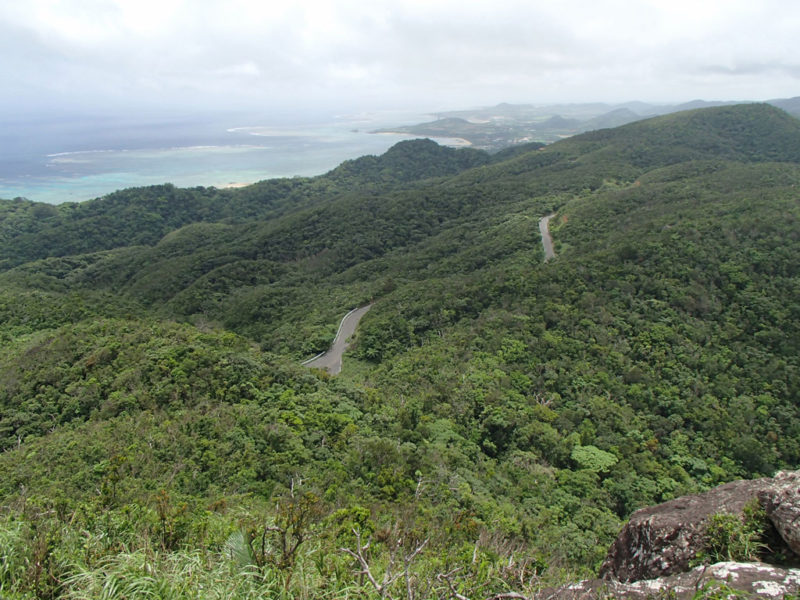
column 246, row 69
column 439, row 52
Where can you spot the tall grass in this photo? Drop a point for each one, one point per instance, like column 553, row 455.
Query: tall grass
column 13, row 558
column 54, row 559
column 181, row 575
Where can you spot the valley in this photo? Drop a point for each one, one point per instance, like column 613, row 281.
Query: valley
column 499, row 414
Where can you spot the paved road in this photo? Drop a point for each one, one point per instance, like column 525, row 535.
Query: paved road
column 547, row 240
column 332, row 359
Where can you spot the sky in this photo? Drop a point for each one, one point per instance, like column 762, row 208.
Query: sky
column 118, row 55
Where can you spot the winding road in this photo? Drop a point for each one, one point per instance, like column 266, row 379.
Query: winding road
column 332, row 359
column 547, row 240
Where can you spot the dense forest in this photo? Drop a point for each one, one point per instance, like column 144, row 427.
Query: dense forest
column 498, row 416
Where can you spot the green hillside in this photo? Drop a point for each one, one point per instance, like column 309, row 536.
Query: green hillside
column 157, row 428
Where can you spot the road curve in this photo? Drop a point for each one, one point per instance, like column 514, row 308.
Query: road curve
column 332, row 359
column 547, row 240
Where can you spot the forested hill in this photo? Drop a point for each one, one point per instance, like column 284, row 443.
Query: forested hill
column 409, row 161
column 743, row 133
column 139, row 216
column 154, row 416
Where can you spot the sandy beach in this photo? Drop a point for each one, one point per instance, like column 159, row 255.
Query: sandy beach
column 455, row 142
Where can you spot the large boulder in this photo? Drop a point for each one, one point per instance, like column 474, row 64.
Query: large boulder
column 651, row 557
column 755, row 579
column 782, row 504
column 663, row 539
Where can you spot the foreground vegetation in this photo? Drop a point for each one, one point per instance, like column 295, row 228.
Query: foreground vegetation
column 498, row 418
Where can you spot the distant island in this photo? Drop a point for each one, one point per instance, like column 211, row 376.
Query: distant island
column 497, row 127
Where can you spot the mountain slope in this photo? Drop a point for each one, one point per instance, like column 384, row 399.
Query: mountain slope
column 141, row 216
column 237, row 272
column 753, row 132
column 489, row 396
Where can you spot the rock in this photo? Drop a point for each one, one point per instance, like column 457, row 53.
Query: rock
column 782, row 504
column 757, row 579
column 651, row 556
column 663, row 539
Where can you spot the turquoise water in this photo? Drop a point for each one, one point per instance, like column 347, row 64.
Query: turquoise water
column 69, row 162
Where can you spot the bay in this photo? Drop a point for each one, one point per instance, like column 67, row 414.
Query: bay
column 75, row 159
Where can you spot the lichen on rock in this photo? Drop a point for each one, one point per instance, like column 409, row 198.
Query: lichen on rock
column 655, row 554
column 782, row 503
column 665, row 539
column 760, row 580
column 668, row 538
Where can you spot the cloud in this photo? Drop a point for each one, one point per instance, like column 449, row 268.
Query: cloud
column 246, row 69
column 434, row 53
column 753, row 69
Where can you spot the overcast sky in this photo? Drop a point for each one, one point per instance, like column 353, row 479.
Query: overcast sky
column 371, row 54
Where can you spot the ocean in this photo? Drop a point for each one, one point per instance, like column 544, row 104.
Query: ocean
column 79, row 158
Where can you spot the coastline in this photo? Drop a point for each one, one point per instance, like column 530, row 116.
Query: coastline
column 456, row 142
column 57, row 174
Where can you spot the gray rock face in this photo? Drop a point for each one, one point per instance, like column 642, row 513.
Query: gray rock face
column 650, row 558
column 760, row 580
column 782, row 504
column 663, row 539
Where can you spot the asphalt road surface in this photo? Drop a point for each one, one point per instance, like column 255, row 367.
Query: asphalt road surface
column 547, row 241
column 332, row 359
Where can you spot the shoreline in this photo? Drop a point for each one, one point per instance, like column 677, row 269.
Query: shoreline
column 457, row 142
column 81, row 176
